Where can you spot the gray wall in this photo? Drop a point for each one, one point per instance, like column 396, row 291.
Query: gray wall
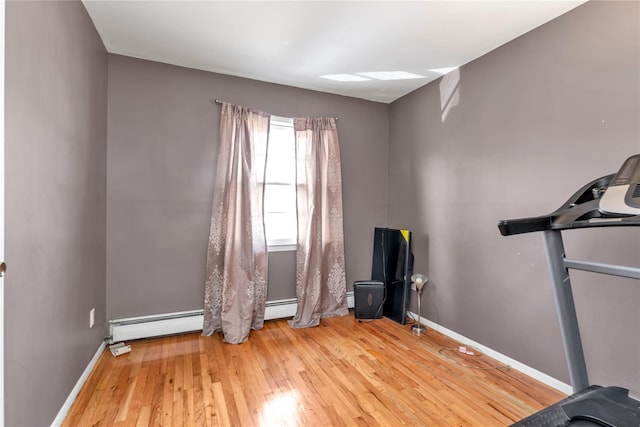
column 162, row 145
column 55, row 141
column 514, row 134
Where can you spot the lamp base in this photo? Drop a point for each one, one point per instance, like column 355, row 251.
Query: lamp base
column 418, row 329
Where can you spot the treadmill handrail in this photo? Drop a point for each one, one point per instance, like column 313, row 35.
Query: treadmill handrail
column 579, row 211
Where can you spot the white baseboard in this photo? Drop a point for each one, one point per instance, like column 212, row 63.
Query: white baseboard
column 287, row 308
column 527, row 370
column 62, row 414
column 132, row 328
column 280, row 309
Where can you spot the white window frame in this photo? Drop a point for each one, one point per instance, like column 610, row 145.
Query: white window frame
column 281, row 245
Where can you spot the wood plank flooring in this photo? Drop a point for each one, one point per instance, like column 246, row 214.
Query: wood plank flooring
column 341, row 373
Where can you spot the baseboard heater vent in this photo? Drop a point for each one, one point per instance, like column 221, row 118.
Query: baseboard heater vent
column 133, row 328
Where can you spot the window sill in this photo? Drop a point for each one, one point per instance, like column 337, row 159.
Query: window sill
column 281, row 248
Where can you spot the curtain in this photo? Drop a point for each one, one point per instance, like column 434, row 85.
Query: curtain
column 236, row 280
column 320, row 268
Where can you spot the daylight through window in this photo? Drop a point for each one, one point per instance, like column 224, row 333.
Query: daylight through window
column 280, row 186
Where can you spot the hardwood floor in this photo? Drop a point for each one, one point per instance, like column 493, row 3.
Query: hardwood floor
column 342, row 373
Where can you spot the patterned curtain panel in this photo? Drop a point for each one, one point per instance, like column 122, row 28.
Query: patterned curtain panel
column 320, row 268
column 236, row 285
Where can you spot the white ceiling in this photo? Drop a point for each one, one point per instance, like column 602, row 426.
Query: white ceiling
column 295, row 43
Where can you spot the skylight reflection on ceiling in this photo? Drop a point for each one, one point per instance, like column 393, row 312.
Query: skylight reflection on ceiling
column 391, row 75
column 375, row 75
column 345, row 77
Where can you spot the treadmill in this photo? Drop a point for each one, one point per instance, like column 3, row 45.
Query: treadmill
column 610, row 201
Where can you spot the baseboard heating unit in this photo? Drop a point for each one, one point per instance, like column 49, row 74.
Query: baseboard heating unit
column 133, row 328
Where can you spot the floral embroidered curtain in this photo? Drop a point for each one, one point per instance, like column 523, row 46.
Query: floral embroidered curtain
column 236, row 280
column 320, row 267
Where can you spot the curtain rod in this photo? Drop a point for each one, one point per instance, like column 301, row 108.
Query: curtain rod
column 217, row 101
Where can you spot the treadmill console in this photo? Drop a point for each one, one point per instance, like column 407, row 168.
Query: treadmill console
column 622, row 197
column 612, row 200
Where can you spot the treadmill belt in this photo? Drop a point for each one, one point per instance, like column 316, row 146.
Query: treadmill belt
column 593, row 406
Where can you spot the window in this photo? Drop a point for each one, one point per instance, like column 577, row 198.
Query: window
column 280, row 186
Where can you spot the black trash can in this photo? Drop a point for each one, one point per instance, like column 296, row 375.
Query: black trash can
column 369, row 298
